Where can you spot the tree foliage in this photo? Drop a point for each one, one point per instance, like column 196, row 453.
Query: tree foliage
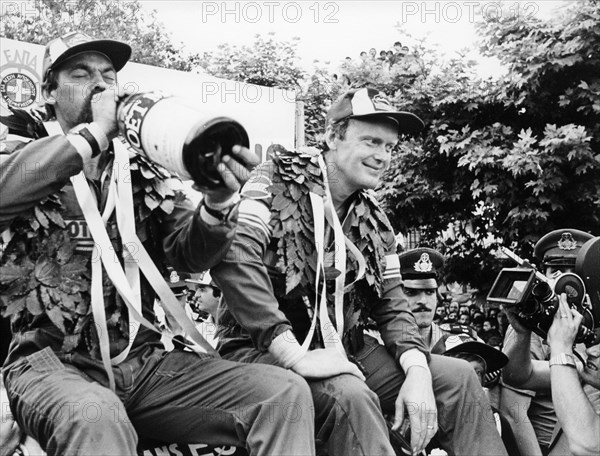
column 501, row 161
column 40, row 21
column 267, row 62
column 505, row 161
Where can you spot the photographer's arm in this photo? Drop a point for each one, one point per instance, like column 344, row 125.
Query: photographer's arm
column 522, row 371
column 576, row 415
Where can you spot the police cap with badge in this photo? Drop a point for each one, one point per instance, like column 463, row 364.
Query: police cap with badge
column 560, row 247
column 579, row 250
column 420, row 268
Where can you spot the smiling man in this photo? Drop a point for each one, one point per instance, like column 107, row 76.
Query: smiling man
column 314, row 257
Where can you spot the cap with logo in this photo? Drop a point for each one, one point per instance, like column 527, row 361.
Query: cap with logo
column 420, row 268
column 71, row 44
column 367, row 103
column 560, row 247
column 452, row 344
column 202, row 279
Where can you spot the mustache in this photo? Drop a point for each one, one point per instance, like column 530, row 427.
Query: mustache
column 422, row 308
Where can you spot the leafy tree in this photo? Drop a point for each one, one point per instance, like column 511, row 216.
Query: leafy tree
column 267, row 62
column 505, row 161
column 40, row 21
column 317, row 98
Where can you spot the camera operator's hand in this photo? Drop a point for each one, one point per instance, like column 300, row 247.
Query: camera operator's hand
column 562, row 333
column 235, row 169
column 513, row 319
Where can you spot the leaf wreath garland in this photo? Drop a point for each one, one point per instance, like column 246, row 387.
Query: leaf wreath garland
column 295, row 175
column 41, row 273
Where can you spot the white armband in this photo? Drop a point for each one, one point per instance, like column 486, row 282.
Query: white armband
column 413, row 357
column 286, row 349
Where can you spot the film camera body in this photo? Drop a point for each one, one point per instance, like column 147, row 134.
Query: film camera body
column 535, row 297
column 176, row 135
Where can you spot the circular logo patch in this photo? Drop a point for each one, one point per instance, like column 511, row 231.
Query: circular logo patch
column 18, row 90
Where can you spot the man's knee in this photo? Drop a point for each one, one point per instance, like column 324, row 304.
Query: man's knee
column 100, row 410
column 351, row 393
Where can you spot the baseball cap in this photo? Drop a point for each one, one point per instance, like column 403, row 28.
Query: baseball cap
column 61, row 49
column 560, row 247
column 201, row 279
column 368, row 102
column 419, row 267
column 451, row 344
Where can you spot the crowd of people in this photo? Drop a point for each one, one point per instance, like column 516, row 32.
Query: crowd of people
column 384, row 61
column 386, row 58
column 328, row 341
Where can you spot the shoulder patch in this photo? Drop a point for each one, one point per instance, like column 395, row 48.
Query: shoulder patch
column 257, row 187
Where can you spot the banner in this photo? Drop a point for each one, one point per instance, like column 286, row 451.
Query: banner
column 267, row 114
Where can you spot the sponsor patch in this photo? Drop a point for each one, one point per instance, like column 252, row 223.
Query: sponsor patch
column 256, row 188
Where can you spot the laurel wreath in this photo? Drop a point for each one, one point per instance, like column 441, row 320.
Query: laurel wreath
column 40, row 273
column 295, row 175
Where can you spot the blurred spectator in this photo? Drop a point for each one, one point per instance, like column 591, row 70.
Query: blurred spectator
column 495, row 342
column 477, row 323
column 390, row 57
column 453, row 306
column 502, row 322
column 205, row 298
column 203, row 303
column 489, row 329
column 373, row 54
column 440, row 314
column 464, row 319
column 490, row 323
column 451, row 318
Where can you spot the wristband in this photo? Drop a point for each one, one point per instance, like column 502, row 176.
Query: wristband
column 91, row 140
column 563, row 359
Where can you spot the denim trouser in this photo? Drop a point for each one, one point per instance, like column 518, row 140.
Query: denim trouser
column 173, row 396
column 349, row 419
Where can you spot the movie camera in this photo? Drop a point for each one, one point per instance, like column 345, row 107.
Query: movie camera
column 535, row 297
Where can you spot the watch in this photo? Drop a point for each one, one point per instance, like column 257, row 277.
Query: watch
column 563, row 359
